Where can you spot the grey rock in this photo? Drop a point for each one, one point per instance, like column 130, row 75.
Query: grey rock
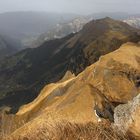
column 127, row 117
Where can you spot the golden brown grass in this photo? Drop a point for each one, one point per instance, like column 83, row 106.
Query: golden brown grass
column 89, row 131
column 73, row 131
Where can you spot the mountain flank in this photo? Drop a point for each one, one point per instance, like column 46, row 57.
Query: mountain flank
column 88, row 100
column 24, row 74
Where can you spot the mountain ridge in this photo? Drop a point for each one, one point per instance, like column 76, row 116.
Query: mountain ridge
column 90, row 97
column 49, row 62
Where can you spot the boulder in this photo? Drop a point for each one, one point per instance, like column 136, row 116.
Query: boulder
column 127, row 118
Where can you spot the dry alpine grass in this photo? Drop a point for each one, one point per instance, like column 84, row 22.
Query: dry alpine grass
column 73, row 131
column 90, row 131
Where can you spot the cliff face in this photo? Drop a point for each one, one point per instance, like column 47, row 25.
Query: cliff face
column 89, row 97
column 27, row 72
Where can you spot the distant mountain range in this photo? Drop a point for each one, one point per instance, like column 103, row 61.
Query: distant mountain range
column 61, row 30
column 24, row 74
column 26, row 26
column 31, row 29
column 133, row 21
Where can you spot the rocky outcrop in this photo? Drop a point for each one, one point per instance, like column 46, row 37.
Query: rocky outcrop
column 127, row 117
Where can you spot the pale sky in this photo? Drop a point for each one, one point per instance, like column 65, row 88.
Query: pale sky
column 71, row 6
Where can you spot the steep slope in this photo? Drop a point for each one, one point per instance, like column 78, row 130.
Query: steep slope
column 94, row 93
column 61, row 30
column 114, row 78
column 24, row 74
